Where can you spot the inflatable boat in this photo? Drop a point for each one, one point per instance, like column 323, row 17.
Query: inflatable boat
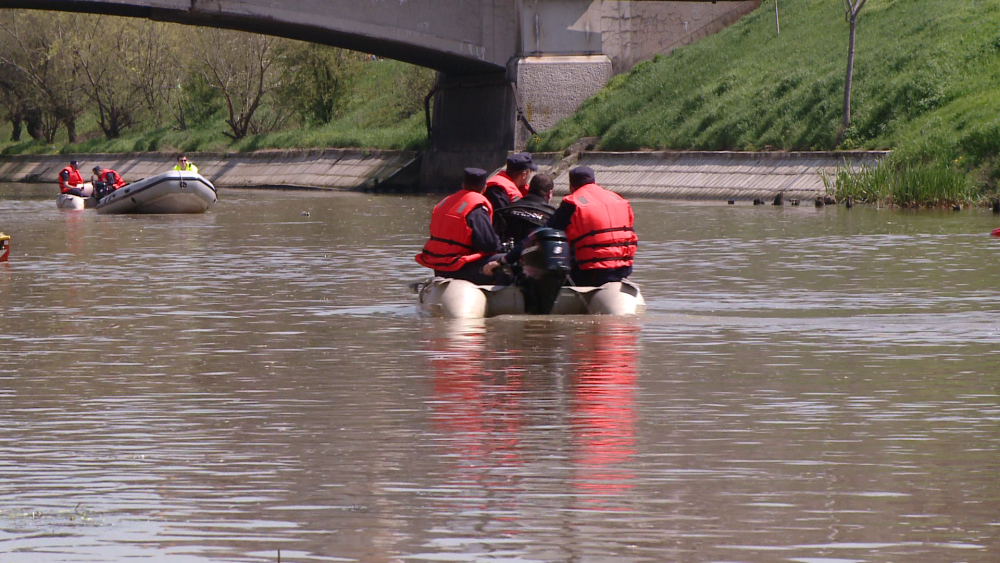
column 539, row 288
column 171, row 192
column 69, row 201
column 4, row 247
column 459, row 299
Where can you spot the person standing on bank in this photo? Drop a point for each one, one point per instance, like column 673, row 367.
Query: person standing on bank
column 598, row 224
column 516, row 221
column 70, row 180
column 184, row 165
column 462, row 239
column 510, row 185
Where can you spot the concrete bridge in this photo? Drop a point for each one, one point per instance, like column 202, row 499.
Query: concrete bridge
column 506, row 68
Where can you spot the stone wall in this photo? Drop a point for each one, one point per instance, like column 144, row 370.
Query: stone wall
column 636, row 31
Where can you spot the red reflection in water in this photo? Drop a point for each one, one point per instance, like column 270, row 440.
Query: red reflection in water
column 603, row 409
column 490, row 380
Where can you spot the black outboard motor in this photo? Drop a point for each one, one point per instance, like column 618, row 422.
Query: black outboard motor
column 545, row 264
column 101, row 189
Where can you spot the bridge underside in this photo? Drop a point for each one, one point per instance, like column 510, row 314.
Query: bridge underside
column 507, row 68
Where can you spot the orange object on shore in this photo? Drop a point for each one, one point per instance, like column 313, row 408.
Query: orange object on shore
column 996, row 232
column 4, row 247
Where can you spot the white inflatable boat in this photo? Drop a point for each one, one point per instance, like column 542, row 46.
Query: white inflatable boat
column 171, row 192
column 459, row 299
column 69, row 201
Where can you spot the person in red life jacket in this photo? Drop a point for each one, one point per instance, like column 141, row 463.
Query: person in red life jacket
column 511, row 184
column 70, row 180
column 598, row 224
column 106, row 181
column 462, row 238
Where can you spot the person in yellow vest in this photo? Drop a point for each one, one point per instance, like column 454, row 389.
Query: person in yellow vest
column 598, row 224
column 185, row 165
column 510, row 185
column 462, row 238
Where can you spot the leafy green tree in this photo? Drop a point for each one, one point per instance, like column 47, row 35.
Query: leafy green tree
column 242, row 68
column 40, row 46
column 316, row 79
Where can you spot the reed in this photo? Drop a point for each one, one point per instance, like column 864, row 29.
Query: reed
column 905, row 185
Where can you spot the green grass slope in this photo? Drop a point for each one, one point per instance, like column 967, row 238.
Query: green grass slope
column 926, row 84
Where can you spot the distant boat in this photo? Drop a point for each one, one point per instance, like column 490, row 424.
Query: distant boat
column 171, row 192
column 70, row 201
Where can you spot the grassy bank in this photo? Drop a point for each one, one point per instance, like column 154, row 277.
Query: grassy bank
column 378, row 112
column 926, row 85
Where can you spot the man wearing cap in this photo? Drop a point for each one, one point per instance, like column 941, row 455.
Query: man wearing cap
column 598, row 224
column 70, row 180
column 462, row 238
column 520, row 218
column 107, row 181
column 511, row 184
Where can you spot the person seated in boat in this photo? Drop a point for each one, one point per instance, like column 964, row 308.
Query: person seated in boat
column 516, row 221
column 71, row 181
column 106, row 181
column 598, row 224
column 510, row 185
column 462, row 238
column 185, row 165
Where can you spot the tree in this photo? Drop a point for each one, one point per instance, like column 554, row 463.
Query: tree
column 108, row 57
column 40, row 47
column 241, row 67
column 851, row 10
column 316, row 78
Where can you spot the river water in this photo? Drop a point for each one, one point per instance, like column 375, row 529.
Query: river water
column 808, row 385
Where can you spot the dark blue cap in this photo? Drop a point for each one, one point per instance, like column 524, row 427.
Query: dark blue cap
column 475, row 177
column 520, row 161
column 581, row 175
column 74, row 162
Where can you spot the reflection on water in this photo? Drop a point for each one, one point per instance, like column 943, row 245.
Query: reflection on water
column 809, row 385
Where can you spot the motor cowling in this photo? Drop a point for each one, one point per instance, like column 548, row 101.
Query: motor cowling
column 545, row 265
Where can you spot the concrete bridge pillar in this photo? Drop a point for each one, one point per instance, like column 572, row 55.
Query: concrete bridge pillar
column 472, row 124
column 552, row 87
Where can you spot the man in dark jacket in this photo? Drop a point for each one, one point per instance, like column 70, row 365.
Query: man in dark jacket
column 511, row 184
column 462, row 237
column 516, row 221
column 598, row 224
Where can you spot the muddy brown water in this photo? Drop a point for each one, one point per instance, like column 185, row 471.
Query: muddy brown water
column 808, row 385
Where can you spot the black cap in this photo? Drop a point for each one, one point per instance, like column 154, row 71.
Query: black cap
column 581, row 175
column 75, row 162
column 520, row 161
column 475, row 177
column 97, row 168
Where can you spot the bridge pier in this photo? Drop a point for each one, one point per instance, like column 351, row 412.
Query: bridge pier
column 478, row 119
column 472, row 124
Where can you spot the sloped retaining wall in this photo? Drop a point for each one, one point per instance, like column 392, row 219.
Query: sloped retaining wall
column 710, row 175
column 347, row 169
column 658, row 174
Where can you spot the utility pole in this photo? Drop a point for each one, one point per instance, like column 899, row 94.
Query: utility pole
column 777, row 24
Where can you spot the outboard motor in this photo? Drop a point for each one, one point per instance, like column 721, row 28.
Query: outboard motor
column 545, row 264
column 101, row 189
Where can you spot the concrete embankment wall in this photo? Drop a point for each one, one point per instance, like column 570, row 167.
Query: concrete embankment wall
column 345, row 169
column 710, row 175
column 657, row 174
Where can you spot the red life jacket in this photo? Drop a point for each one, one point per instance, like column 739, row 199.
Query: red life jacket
column 503, row 181
column 111, row 178
column 600, row 230
column 450, row 246
column 74, row 179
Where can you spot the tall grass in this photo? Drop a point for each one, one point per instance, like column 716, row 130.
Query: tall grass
column 904, row 185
